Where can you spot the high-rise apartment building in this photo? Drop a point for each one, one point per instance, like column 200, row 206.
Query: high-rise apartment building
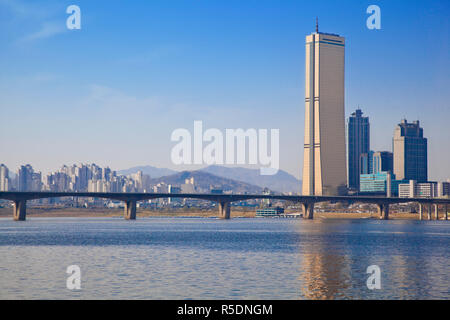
column 24, row 178
column 4, row 178
column 358, row 143
column 28, row 180
column 324, row 164
column 410, row 152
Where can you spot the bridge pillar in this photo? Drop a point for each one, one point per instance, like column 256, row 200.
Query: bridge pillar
column 20, row 210
column 430, row 208
column 130, row 210
column 436, row 212
column 420, row 211
column 308, row 210
column 224, row 210
column 445, row 212
column 383, row 210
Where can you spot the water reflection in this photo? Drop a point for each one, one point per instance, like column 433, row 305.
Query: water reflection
column 324, row 273
column 162, row 258
column 334, row 256
column 323, row 276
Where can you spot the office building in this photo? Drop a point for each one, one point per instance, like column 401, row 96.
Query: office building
column 443, row 189
column 324, row 164
column 413, row 189
column 410, row 152
column 374, row 183
column 358, row 143
column 381, row 183
column 366, row 162
column 269, row 212
column 28, row 180
column 382, row 161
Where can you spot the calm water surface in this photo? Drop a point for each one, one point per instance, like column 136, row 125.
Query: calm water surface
column 207, row 258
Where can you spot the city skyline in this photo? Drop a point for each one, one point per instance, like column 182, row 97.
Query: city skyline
column 224, row 156
column 75, row 91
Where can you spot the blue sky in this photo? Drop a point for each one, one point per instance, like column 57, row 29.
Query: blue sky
column 113, row 92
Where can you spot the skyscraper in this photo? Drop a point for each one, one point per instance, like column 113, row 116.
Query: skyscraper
column 358, row 143
column 24, row 175
column 410, row 152
column 383, row 161
column 366, row 162
column 28, row 180
column 4, row 178
column 324, row 164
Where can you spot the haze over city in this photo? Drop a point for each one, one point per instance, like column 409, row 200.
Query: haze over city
column 112, row 92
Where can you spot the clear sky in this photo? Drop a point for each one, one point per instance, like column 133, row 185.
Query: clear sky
column 113, row 92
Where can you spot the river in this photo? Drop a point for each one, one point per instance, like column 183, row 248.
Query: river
column 208, row 258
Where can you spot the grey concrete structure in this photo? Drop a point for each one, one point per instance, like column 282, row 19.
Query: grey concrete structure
column 130, row 209
column 383, row 210
column 420, row 211
column 224, row 210
column 20, row 212
column 223, row 200
column 308, row 210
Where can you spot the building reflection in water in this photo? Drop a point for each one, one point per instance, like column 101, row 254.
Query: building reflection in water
column 324, row 273
column 334, row 256
column 323, row 276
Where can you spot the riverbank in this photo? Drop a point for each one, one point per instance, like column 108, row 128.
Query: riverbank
column 107, row 212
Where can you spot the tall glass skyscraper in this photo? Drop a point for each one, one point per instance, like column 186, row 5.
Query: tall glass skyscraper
column 324, row 163
column 358, row 143
column 383, row 161
column 366, row 162
column 410, row 152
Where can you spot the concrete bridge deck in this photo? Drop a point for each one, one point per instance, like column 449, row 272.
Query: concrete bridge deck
column 224, row 200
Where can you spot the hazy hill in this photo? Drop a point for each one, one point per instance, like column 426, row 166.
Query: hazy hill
column 282, row 181
column 153, row 172
column 204, row 180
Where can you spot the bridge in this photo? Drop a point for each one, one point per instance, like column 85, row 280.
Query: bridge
column 224, row 200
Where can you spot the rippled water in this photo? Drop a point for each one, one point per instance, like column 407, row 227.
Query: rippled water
column 206, row 258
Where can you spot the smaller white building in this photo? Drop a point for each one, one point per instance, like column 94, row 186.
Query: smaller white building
column 443, row 189
column 418, row 190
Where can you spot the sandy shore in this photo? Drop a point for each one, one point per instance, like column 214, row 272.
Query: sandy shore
column 105, row 212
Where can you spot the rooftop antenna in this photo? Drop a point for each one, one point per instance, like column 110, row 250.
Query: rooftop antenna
column 317, row 25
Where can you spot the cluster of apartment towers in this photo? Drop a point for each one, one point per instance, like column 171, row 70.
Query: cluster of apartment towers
column 332, row 168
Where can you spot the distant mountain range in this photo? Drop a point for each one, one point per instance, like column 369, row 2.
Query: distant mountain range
column 282, row 181
column 223, row 176
column 153, row 172
column 205, row 180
